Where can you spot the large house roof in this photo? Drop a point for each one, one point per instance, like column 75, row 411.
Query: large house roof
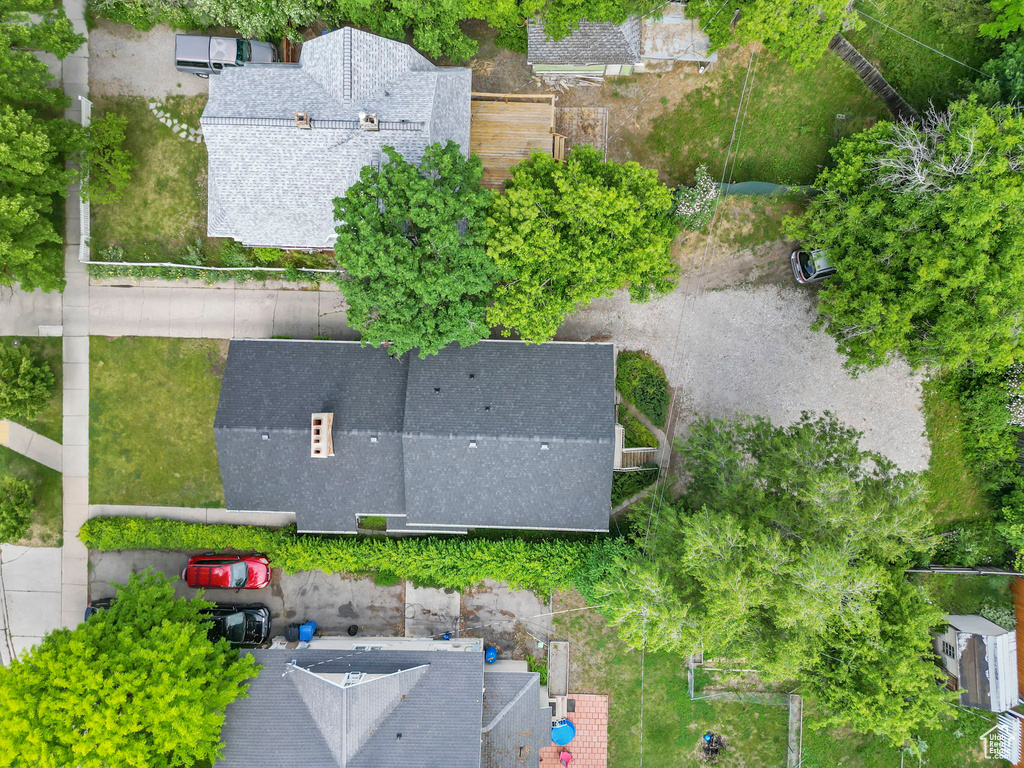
column 260, row 160
column 591, row 42
column 500, row 434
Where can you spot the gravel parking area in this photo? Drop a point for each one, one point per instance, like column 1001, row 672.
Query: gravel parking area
column 751, row 350
column 125, row 61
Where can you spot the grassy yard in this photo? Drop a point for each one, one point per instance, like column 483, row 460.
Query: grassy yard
column 152, row 405
column 791, row 120
column 954, row 491
column 920, row 75
column 47, row 517
column 50, row 422
column 673, row 724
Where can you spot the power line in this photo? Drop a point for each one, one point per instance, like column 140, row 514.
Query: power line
column 914, row 40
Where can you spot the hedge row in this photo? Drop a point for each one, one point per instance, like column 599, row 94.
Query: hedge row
column 452, row 563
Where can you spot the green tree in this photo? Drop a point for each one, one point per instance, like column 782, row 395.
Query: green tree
column 784, row 547
column 566, row 233
column 796, row 30
column 136, row 685
column 26, row 384
column 24, row 79
column 107, row 165
column 918, row 222
column 1009, row 18
column 1005, row 81
column 15, row 507
column 411, row 238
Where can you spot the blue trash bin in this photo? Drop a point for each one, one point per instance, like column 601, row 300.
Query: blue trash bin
column 490, row 654
column 306, row 631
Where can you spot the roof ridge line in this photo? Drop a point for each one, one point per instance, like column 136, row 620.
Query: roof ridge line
column 504, row 711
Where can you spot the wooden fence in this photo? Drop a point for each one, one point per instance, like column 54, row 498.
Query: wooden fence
column 872, row 78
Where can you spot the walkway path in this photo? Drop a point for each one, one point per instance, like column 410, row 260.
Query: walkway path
column 30, row 597
column 29, row 313
column 31, row 444
column 664, row 453
column 75, row 321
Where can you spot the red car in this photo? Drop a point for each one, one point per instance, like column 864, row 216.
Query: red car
column 212, row 571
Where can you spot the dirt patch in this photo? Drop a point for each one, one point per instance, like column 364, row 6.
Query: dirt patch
column 126, row 61
column 583, row 125
column 218, row 358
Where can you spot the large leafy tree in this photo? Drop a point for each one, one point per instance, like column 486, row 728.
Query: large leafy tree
column 787, row 545
column 411, row 238
column 26, row 384
column 33, row 143
column 566, row 233
column 137, row 685
column 796, row 30
column 921, row 224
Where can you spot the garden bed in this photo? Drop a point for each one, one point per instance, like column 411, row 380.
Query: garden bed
column 151, row 411
column 161, row 218
column 642, row 382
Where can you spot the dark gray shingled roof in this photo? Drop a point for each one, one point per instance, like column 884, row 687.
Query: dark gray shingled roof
column 515, row 726
column 592, row 42
column 260, row 162
column 541, row 417
column 302, row 717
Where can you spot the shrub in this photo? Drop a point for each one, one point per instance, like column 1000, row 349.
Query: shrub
column 107, row 165
column 696, row 205
column 637, row 435
column 26, row 384
column 455, row 563
column 1002, row 615
column 642, row 381
column 15, row 507
column 971, row 544
column 628, row 484
column 267, row 256
column 373, row 523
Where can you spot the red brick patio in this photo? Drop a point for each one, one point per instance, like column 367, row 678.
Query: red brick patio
column 590, row 747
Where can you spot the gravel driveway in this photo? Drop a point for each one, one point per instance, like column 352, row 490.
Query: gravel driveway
column 751, row 350
column 125, row 61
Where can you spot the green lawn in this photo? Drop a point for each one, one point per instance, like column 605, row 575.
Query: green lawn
column 920, row 75
column 954, row 491
column 672, row 724
column 47, row 518
column 792, row 119
column 50, row 422
column 151, row 410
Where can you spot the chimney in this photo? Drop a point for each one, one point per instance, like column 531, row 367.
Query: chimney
column 321, row 442
column 303, row 120
column 368, row 121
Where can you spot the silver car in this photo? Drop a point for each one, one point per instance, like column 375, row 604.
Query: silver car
column 203, row 55
column 811, row 266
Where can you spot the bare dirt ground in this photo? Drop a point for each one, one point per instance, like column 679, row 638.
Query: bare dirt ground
column 125, row 61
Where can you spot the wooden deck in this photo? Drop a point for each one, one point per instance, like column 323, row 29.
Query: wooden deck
column 506, row 129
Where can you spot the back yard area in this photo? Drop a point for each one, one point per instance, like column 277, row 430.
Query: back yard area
column 151, row 410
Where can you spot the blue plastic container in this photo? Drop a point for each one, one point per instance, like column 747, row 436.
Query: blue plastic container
column 562, row 732
column 306, row 631
column 490, row 654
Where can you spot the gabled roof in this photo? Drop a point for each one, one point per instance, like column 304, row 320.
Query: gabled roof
column 417, row 709
column 592, row 42
column 514, row 731
column 500, row 434
column 272, row 183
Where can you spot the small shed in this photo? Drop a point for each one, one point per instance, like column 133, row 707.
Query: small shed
column 980, row 660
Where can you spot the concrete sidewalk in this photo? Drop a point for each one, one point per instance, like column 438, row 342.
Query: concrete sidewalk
column 216, row 313
column 29, row 313
column 30, row 597
column 31, row 444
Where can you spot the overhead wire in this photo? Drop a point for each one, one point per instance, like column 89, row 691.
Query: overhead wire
column 915, row 40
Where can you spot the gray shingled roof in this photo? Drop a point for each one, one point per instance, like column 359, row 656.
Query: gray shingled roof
column 301, row 717
column 515, row 726
column 510, row 398
column 271, row 183
column 592, row 42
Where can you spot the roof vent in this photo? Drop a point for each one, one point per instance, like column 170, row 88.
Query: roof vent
column 545, row 447
column 321, row 440
column 266, row 435
column 302, row 120
column 368, row 121
column 373, row 438
column 472, row 443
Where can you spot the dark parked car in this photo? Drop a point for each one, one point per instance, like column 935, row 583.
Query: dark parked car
column 244, row 626
column 98, row 605
column 204, row 55
column 212, row 571
column 811, row 266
